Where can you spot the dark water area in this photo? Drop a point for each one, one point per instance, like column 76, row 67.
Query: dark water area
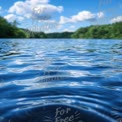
column 60, row 80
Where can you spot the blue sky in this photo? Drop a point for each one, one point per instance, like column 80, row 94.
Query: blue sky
column 60, row 15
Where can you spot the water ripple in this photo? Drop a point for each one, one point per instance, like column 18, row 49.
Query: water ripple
column 60, row 80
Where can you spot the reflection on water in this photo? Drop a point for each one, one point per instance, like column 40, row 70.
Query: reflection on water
column 60, row 80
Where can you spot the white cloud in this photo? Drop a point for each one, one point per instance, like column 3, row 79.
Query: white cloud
column 117, row 19
column 46, row 11
column 68, row 30
column 64, row 20
column 81, row 16
column 38, row 1
column 34, row 8
column 100, row 15
column 12, row 17
column 72, row 26
column 84, row 15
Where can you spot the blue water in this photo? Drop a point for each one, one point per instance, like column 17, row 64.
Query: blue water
column 60, row 80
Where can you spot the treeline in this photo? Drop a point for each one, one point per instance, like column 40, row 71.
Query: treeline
column 110, row 31
column 60, row 35
column 9, row 30
column 31, row 34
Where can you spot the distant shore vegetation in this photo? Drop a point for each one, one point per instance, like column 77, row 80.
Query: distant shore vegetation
column 108, row 31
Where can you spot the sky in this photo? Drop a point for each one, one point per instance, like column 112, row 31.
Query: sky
column 60, row 15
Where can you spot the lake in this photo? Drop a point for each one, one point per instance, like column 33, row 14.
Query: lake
column 60, row 80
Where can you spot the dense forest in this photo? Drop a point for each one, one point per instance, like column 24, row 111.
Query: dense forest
column 110, row 31
column 9, row 30
column 60, row 35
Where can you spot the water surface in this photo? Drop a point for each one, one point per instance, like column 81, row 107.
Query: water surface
column 60, row 80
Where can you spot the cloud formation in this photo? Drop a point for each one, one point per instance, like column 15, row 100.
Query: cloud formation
column 27, row 8
column 68, row 30
column 12, row 17
column 81, row 16
column 116, row 19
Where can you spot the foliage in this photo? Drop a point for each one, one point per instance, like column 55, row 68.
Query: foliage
column 30, row 34
column 100, row 31
column 7, row 30
column 110, row 31
column 60, row 35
